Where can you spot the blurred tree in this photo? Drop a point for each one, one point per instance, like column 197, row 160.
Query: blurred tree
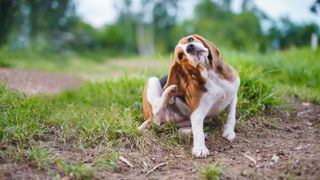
column 127, row 22
column 48, row 17
column 245, row 5
column 149, row 26
column 315, row 6
column 291, row 34
column 226, row 5
column 164, row 15
column 80, row 36
column 297, row 35
column 249, row 34
column 113, row 36
column 31, row 20
column 224, row 27
column 143, row 26
column 8, row 12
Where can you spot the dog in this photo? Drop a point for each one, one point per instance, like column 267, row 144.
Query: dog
column 198, row 87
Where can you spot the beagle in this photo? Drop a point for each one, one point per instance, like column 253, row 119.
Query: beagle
column 198, row 87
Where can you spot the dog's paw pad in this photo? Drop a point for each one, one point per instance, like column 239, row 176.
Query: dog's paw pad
column 171, row 90
column 200, row 151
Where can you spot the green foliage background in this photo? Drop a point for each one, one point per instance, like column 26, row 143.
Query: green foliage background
column 55, row 25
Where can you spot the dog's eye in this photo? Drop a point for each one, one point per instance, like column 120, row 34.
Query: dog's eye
column 180, row 56
column 190, row 40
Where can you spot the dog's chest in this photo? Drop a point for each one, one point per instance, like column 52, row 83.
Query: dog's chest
column 220, row 92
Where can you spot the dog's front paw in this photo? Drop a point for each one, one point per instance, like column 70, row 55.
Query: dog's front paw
column 200, row 151
column 229, row 134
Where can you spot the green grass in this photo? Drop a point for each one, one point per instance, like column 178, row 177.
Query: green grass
column 290, row 72
column 107, row 161
column 39, row 156
column 77, row 171
column 211, row 172
column 50, row 61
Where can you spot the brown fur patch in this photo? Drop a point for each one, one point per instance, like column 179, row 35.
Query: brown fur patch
column 187, row 39
column 188, row 79
column 146, row 106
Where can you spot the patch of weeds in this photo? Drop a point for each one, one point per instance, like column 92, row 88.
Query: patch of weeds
column 255, row 93
column 211, row 172
column 5, row 64
column 275, row 122
column 10, row 153
column 21, row 117
column 107, row 161
column 104, row 113
column 168, row 135
column 78, row 171
column 39, row 156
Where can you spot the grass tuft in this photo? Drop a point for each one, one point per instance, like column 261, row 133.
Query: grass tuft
column 77, row 171
column 107, row 161
column 39, row 156
column 211, row 172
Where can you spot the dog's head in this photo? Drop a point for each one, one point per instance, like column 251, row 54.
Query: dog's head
column 194, row 50
column 192, row 55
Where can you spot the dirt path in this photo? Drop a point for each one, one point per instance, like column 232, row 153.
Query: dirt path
column 35, row 82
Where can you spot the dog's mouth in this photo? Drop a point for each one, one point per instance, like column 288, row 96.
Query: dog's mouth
column 199, row 54
column 195, row 50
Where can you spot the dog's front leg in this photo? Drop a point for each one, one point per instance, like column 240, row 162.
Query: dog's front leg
column 197, row 117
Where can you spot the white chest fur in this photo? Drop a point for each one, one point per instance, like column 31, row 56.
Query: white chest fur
column 220, row 92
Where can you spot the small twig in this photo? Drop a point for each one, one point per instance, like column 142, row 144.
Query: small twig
column 123, row 159
column 250, row 158
column 154, row 168
column 246, row 140
column 273, row 126
column 301, row 147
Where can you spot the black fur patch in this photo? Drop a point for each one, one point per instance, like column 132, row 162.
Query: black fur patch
column 210, row 58
column 219, row 68
column 163, row 81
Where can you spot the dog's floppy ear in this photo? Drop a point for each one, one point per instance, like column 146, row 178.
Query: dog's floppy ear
column 214, row 52
column 177, row 77
column 216, row 60
column 173, row 76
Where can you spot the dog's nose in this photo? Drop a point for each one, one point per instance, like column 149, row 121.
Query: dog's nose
column 190, row 48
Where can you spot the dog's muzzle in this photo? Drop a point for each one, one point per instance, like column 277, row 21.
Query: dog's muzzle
column 194, row 50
